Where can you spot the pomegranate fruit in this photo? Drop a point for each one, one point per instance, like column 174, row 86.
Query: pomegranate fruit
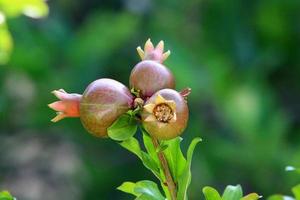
column 165, row 114
column 150, row 75
column 103, row 101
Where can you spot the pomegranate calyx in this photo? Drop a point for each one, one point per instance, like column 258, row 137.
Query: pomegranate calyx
column 67, row 106
column 153, row 53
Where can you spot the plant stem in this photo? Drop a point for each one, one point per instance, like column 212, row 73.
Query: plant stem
column 165, row 166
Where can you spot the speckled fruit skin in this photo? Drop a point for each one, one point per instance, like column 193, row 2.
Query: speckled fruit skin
column 171, row 129
column 149, row 76
column 103, row 101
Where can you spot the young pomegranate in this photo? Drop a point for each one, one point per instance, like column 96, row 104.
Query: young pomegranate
column 165, row 114
column 150, row 75
column 103, row 101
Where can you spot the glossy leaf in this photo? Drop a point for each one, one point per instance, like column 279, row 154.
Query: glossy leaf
column 232, row 193
column 150, row 163
column 149, row 146
column 211, row 193
column 30, row 8
column 143, row 190
column 133, row 146
column 128, row 187
column 251, row 196
column 123, row 128
column 175, row 158
column 185, row 178
column 153, row 154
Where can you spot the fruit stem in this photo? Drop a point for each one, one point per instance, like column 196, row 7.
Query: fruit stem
column 166, row 170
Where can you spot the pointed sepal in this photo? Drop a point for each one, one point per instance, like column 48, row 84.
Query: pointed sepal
column 153, row 53
column 67, row 106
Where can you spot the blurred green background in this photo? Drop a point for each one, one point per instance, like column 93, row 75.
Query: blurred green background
column 240, row 57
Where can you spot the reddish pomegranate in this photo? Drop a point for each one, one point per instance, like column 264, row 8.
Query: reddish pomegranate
column 165, row 114
column 103, row 101
column 150, row 75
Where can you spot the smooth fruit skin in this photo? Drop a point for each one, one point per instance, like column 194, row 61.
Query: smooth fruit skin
column 172, row 129
column 103, row 101
column 149, row 76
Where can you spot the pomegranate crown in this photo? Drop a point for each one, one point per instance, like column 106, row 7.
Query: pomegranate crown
column 153, row 53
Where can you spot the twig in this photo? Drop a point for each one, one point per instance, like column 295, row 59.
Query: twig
column 164, row 164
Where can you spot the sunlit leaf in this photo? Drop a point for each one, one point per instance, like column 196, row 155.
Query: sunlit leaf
column 232, row 193
column 175, row 157
column 185, row 178
column 153, row 154
column 30, row 8
column 123, row 128
column 150, row 163
column 143, row 190
column 251, row 196
column 128, row 187
column 211, row 193
column 149, row 146
column 133, row 146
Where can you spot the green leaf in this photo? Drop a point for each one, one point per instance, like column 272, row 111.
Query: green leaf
column 143, row 190
column 211, row 193
column 149, row 146
column 153, row 154
column 232, row 193
column 279, row 197
column 251, row 196
column 30, row 8
column 133, row 146
column 175, row 157
column 128, row 187
column 161, row 148
column 185, row 178
column 6, row 42
column 123, row 128
column 150, row 163
column 296, row 191
column 5, row 195
column 148, row 189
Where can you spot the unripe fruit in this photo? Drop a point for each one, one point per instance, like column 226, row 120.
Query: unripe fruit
column 165, row 114
column 150, row 75
column 103, row 101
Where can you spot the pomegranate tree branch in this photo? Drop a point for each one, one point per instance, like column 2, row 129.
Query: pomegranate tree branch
column 166, row 170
